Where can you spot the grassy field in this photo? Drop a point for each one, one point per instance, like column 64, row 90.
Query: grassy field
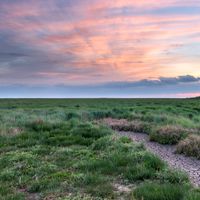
column 55, row 149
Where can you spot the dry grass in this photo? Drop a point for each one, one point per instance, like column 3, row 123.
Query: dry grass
column 190, row 146
column 168, row 134
column 12, row 131
column 125, row 125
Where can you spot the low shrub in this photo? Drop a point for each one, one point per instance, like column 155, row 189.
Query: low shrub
column 39, row 125
column 138, row 172
column 168, row 134
column 102, row 143
column 153, row 162
column 124, row 125
column 125, row 139
column 44, row 185
column 88, row 130
column 100, row 114
column 134, row 126
column 72, row 115
column 190, row 146
column 62, row 140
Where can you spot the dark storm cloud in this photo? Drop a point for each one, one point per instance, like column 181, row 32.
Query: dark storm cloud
column 179, row 79
column 162, row 81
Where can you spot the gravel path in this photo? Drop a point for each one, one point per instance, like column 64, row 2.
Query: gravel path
column 166, row 152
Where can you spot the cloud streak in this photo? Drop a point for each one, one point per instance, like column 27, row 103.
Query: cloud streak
column 179, row 87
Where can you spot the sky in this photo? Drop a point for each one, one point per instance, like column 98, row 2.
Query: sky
column 99, row 48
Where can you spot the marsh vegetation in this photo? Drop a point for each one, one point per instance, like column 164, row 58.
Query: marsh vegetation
column 58, row 149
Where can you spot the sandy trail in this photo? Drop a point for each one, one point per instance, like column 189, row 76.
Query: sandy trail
column 166, row 152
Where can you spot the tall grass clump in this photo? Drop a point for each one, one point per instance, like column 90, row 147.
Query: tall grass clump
column 168, row 134
column 193, row 195
column 173, row 177
column 39, row 125
column 72, row 115
column 190, row 146
column 88, row 130
column 154, row 191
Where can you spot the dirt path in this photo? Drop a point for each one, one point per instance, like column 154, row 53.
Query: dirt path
column 166, row 152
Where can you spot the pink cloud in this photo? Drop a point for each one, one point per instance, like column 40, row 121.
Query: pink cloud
column 134, row 46
column 188, row 95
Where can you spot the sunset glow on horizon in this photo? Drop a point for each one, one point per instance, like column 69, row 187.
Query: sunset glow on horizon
column 102, row 44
